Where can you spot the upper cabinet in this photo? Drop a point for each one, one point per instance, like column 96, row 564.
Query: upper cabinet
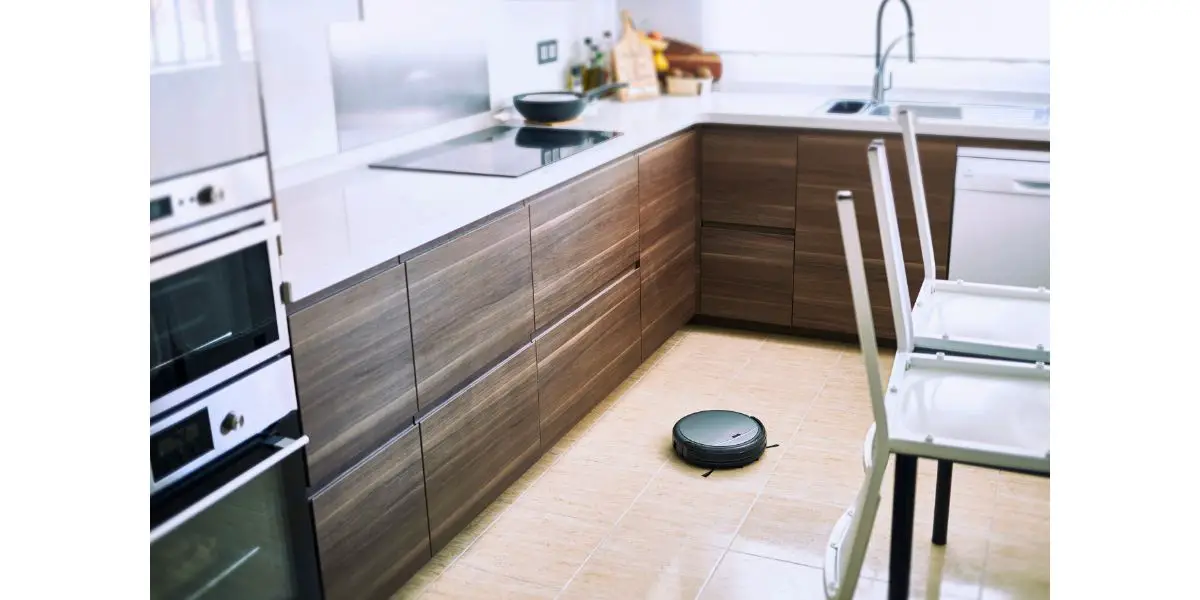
column 585, row 233
column 472, row 304
column 354, row 372
column 748, row 177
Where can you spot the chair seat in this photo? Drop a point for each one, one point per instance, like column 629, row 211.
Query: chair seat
column 983, row 320
column 987, row 412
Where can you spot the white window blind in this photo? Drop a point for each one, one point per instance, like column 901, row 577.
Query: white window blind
column 1015, row 30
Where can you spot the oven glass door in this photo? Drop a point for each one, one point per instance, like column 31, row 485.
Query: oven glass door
column 240, row 531
column 214, row 313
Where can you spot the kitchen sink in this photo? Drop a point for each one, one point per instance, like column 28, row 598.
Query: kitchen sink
column 931, row 111
column 1015, row 115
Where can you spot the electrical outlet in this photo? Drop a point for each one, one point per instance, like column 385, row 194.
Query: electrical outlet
column 547, row 51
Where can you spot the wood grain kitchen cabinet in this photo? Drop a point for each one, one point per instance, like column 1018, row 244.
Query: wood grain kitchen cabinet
column 667, row 197
column 830, row 162
column 586, row 355
column 354, row 372
column 371, row 527
column 478, row 442
column 584, row 234
column 748, row 177
column 822, row 301
column 471, row 303
column 746, row 275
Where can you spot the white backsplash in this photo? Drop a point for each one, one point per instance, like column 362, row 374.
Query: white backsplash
column 293, row 40
column 512, row 60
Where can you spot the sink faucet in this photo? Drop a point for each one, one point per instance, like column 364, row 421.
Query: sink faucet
column 878, row 88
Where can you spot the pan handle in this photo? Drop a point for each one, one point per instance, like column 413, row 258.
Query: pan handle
column 600, row 91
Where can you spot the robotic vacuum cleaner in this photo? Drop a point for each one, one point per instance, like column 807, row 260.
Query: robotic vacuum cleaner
column 719, row 439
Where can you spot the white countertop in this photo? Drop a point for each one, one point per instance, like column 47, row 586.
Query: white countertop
column 339, row 225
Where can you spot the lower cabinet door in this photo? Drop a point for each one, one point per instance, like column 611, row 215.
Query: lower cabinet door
column 372, row 532
column 587, row 354
column 478, row 443
column 668, row 298
column 746, row 275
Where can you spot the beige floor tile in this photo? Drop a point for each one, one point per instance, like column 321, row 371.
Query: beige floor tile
column 698, row 510
column 821, row 475
column 642, row 563
column 540, row 548
column 464, row 582
column 788, row 529
column 951, row 571
column 1017, row 570
column 586, row 490
column 742, row 576
column 554, row 527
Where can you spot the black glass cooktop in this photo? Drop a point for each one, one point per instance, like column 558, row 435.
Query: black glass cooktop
column 500, row 151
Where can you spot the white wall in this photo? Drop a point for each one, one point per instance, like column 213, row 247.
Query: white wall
column 996, row 45
column 512, row 60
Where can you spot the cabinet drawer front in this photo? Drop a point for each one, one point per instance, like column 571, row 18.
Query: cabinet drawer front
column 668, row 225
column 746, row 275
column 587, row 355
column 354, row 372
column 829, row 162
column 748, row 178
column 668, row 298
column 667, row 166
column 821, row 297
column 472, row 304
column 818, row 231
column 478, row 443
column 584, row 234
column 371, row 527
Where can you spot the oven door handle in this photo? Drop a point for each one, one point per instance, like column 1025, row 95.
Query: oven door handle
column 287, row 447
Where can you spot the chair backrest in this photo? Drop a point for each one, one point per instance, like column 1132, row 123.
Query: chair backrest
column 863, row 317
column 908, row 123
column 852, row 553
column 889, row 236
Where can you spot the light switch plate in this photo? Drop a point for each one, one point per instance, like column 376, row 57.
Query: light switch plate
column 547, row 51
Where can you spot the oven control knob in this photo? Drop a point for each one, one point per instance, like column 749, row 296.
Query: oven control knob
column 208, row 195
column 231, row 422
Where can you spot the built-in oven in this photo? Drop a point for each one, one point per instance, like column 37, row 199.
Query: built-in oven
column 229, row 519
column 215, row 305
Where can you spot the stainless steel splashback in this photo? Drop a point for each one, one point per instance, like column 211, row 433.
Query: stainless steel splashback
column 408, row 65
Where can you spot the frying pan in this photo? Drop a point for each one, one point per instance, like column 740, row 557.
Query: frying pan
column 556, row 107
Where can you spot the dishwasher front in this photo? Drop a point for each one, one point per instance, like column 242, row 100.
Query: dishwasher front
column 1000, row 232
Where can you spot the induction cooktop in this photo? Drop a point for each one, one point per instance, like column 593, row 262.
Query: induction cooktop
column 500, row 151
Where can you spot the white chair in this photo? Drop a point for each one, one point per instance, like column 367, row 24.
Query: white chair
column 983, row 412
column 961, row 317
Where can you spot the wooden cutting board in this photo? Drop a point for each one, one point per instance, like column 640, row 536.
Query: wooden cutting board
column 633, row 63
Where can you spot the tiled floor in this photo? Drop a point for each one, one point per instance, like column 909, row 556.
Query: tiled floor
column 610, row 512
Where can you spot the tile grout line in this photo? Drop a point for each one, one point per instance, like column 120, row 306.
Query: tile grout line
column 649, row 483
column 662, row 465
column 612, row 528
column 758, row 495
column 558, row 457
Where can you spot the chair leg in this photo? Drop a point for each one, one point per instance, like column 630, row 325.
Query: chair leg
column 903, row 506
column 941, row 502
